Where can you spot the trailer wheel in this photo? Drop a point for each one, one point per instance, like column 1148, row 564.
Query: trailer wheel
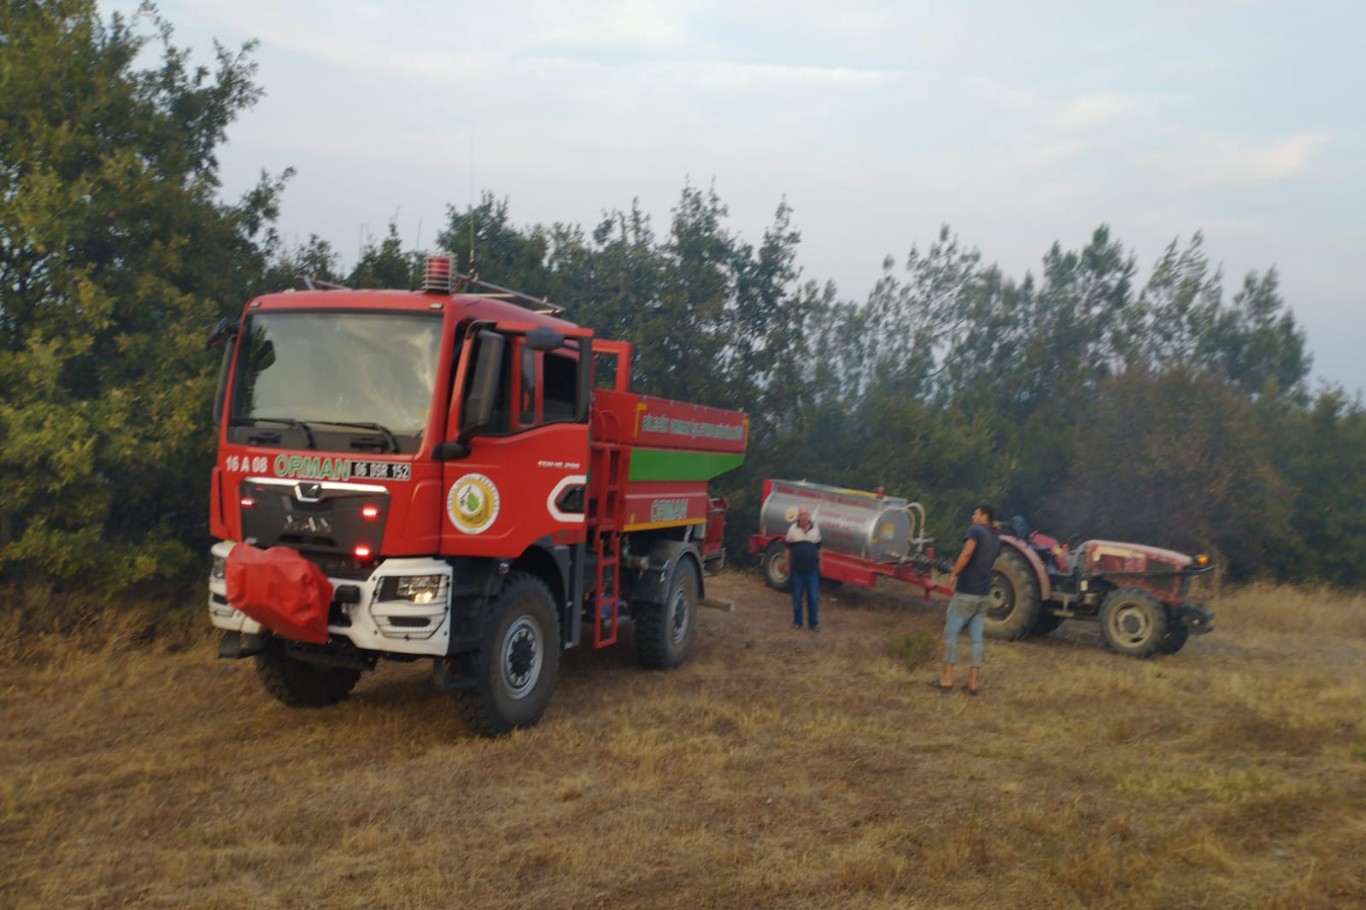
column 518, row 660
column 664, row 632
column 776, row 570
column 1175, row 639
column 1015, row 602
column 1132, row 622
column 300, row 684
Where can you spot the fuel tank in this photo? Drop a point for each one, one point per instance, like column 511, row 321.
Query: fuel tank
column 866, row 525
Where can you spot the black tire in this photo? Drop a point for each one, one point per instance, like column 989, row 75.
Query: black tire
column 1132, row 622
column 664, row 632
column 1015, row 601
column 300, row 684
column 1178, row 633
column 1046, row 622
column 518, row 660
column 777, row 573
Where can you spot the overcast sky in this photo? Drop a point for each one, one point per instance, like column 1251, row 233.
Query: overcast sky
column 1016, row 123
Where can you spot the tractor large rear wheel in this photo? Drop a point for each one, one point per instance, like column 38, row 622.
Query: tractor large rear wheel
column 1015, row 602
column 1132, row 622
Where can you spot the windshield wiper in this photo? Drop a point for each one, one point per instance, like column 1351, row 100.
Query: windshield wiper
column 286, row 421
column 385, row 433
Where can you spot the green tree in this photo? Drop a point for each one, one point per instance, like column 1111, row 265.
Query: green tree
column 488, row 246
column 1178, row 459
column 386, row 265
column 114, row 255
column 1321, row 451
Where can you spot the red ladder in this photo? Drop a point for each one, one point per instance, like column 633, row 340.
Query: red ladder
column 607, row 466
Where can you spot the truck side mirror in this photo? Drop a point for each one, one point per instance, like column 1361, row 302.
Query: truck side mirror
column 488, row 368
column 220, row 394
column 544, row 338
column 226, row 328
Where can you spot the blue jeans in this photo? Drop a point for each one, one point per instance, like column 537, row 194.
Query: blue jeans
column 808, row 582
column 965, row 610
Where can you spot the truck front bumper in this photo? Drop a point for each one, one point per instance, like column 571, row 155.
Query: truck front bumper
column 369, row 613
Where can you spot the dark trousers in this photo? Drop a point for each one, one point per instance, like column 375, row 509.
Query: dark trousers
column 806, row 584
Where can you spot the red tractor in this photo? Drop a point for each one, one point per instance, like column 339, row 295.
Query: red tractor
column 1138, row 593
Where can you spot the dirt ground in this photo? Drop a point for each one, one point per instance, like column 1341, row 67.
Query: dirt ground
column 776, row 768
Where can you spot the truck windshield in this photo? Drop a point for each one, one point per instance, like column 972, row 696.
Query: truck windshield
column 344, row 373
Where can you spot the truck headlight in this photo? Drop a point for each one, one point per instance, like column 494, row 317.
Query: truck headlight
column 416, row 589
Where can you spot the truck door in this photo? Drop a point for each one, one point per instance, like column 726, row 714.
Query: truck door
column 516, row 465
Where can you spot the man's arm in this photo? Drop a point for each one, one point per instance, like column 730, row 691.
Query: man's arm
column 963, row 559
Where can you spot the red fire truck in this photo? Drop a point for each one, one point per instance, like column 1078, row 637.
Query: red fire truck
column 454, row 474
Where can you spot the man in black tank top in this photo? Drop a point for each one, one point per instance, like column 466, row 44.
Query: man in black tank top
column 971, row 583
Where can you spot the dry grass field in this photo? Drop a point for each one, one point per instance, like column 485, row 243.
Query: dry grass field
column 776, row 768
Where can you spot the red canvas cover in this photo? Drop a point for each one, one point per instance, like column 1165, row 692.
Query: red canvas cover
column 281, row 590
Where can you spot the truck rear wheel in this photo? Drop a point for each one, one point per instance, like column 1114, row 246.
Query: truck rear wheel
column 300, row 684
column 518, row 660
column 1132, row 622
column 777, row 573
column 1015, row 602
column 664, row 632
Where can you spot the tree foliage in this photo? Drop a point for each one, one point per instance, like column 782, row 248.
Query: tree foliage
column 1093, row 401
column 115, row 253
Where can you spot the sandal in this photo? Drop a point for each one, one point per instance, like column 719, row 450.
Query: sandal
column 972, row 692
column 936, row 684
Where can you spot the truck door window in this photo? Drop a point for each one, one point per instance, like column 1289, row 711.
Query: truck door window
column 535, row 388
column 561, row 385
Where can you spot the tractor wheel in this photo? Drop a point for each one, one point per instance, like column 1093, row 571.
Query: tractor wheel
column 300, row 684
column 517, row 662
column 1132, row 622
column 776, row 570
column 1014, row 597
column 664, row 632
column 1175, row 639
column 1047, row 622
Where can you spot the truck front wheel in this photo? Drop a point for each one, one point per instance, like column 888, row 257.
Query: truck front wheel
column 1015, row 602
column 777, row 573
column 664, row 632
column 517, row 662
column 300, row 684
column 1132, row 622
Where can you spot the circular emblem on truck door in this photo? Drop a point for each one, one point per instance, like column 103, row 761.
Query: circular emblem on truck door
column 472, row 503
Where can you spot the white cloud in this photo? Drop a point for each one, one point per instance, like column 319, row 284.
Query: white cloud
column 1220, row 159
column 1092, row 110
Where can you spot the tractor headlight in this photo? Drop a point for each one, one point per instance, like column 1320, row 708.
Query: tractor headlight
column 219, row 571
